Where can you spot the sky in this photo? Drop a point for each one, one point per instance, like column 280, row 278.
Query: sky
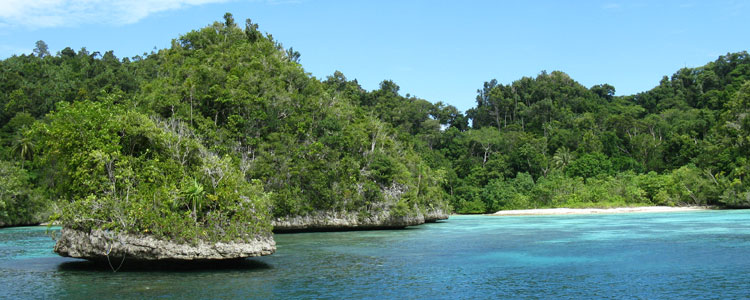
column 435, row 50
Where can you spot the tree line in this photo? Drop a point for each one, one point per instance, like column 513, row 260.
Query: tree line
column 225, row 128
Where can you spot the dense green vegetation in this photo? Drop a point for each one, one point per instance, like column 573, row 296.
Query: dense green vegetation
column 308, row 143
column 224, row 130
column 681, row 143
column 207, row 139
column 120, row 169
column 20, row 202
column 551, row 142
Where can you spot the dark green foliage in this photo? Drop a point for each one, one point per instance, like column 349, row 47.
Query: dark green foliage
column 307, row 141
column 590, row 165
column 173, row 143
column 692, row 129
column 239, row 101
column 20, row 203
column 34, row 83
column 552, row 129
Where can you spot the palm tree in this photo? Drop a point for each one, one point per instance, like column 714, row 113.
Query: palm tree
column 194, row 195
column 23, row 146
column 562, row 157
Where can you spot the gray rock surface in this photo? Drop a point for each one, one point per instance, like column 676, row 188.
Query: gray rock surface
column 99, row 245
column 378, row 216
column 338, row 221
column 433, row 215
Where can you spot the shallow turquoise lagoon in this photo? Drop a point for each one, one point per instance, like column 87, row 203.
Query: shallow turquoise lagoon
column 690, row 255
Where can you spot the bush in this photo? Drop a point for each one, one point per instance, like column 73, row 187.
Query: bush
column 20, row 204
column 736, row 195
column 590, row 165
column 116, row 169
column 687, row 185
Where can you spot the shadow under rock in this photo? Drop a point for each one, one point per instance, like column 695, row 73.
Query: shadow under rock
column 163, row 266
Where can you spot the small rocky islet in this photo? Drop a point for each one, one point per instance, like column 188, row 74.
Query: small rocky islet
column 102, row 245
column 211, row 177
column 338, row 221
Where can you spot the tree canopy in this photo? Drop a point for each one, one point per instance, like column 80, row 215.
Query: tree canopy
column 225, row 127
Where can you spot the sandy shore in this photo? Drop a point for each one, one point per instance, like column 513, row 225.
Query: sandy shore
column 585, row 211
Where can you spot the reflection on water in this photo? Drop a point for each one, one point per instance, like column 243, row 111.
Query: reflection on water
column 649, row 255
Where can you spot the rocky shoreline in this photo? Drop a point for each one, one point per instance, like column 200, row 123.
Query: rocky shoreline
column 344, row 221
column 434, row 215
column 99, row 245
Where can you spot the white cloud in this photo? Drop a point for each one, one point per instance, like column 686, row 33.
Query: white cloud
column 282, row 2
column 64, row 13
column 612, row 6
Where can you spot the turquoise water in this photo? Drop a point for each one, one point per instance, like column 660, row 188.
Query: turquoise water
column 651, row 255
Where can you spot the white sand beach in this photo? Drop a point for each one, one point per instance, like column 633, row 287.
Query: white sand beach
column 584, row 211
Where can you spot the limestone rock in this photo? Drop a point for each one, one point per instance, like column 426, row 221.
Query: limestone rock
column 98, row 244
column 433, row 215
column 379, row 215
column 340, row 221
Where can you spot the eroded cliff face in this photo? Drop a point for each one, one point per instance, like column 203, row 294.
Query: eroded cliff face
column 101, row 245
column 378, row 215
column 341, row 221
column 434, row 215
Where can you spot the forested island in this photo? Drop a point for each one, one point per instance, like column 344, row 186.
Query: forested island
column 223, row 137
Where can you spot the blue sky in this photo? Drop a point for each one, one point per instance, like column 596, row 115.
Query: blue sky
column 436, row 50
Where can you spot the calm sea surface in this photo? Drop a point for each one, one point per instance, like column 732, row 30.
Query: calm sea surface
column 648, row 255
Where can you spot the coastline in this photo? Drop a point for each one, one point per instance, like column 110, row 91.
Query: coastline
column 586, row 211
